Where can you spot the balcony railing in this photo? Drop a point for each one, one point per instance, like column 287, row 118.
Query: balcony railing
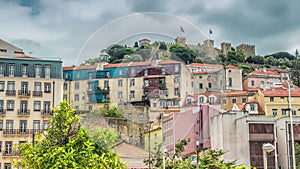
column 2, row 112
column 24, row 93
column 37, row 93
column 99, row 90
column 10, row 92
column 23, row 112
column 11, row 153
column 9, row 131
column 23, row 131
column 46, row 112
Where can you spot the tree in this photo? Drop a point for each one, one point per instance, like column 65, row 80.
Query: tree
column 117, row 52
column 183, row 53
column 67, row 145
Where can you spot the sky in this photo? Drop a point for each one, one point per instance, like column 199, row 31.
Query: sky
column 75, row 30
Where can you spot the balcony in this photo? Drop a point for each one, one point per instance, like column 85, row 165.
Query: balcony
column 11, row 153
column 46, row 113
column 23, row 132
column 2, row 112
column 10, row 92
column 37, row 93
column 7, row 132
column 23, row 112
column 162, row 85
column 24, row 93
column 99, row 90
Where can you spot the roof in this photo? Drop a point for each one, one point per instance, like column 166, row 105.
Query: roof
column 204, row 65
column 232, row 67
column 261, row 72
column 82, row 67
column 280, row 92
column 168, row 62
column 25, row 57
column 112, row 65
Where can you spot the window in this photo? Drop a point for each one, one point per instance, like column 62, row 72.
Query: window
column 154, row 104
column 176, row 79
column 200, row 86
column 244, row 100
column 283, row 112
column 129, row 116
column 76, row 97
column 47, row 71
column 176, row 91
column 188, row 101
column 131, row 82
column 47, row 107
column 233, row 100
column 7, row 166
column 252, row 82
column 37, row 105
column 36, row 126
column 252, row 107
column 24, row 107
column 201, row 99
column 23, row 126
column 271, row 99
column 37, row 86
column 90, row 75
column 10, row 85
column 262, row 82
column 141, row 116
column 120, row 95
column 47, row 88
column 77, row 74
column 294, row 112
column 2, row 86
column 65, row 97
column 90, row 108
column 1, row 69
column 162, row 103
column 45, row 124
column 132, row 94
column 10, row 105
column 230, row 81
column 65, row 86
column 209, row 85
column 38, row 70
column 176, row 103
column 120, row 72
column 281, row 99
column 9, row 126
column 223, row 101
column 11, row 70
column 76, row 86
column 146, row 72
column 106, row 85
column 274, row 112
column 1, row 127
column 176, row 68
column 24, row 88
column 132, row 72
column 24, row 70
column 120, row 83
column 163, row 71
column 211, row 99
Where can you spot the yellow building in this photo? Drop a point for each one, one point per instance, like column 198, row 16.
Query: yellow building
column 29, row 87
column 276, row 102
column 155, row 139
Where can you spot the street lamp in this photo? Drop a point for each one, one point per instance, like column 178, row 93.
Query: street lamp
column 197, row 145
column 149, row 129
column 164, row 149
column 267, row 148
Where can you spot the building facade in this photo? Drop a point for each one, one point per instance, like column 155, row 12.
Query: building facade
column 29, row 87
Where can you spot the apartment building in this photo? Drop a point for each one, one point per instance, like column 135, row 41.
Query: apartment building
column 29, row 87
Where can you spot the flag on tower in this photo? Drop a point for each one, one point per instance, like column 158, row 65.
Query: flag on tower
column 181, row 28
column 210, row 31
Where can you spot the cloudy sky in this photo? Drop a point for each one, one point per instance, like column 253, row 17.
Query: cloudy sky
column 67, row 29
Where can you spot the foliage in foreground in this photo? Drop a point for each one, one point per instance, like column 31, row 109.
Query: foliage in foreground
column 66, row 145
column 211, row 159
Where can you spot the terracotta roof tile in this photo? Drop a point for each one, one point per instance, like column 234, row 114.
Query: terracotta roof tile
column 111, row 65
column 69, row 67
column 204, row 65
column 25, row 57
column 231, row 67
column 83, row 67
column 281, row 92
column 168, row 62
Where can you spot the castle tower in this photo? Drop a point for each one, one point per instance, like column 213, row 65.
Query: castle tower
column 180, row 40
column 225, row 47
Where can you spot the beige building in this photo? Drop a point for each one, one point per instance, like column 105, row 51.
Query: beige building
column 29, row 87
